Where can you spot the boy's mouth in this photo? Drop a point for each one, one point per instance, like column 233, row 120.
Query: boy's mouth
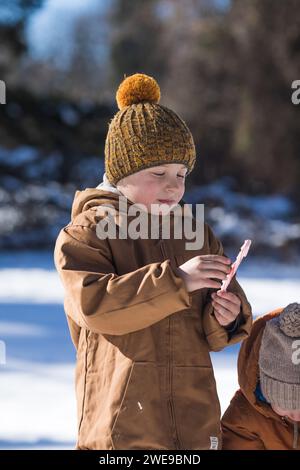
column 166, row 201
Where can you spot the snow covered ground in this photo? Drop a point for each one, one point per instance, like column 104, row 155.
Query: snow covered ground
column 37, row 401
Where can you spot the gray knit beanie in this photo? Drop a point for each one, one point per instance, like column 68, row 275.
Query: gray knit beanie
column 278, row 364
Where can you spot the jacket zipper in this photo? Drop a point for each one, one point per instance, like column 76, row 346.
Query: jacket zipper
column 170, row 401
column 295, row 431
column 295, row 440
column 85, row 376
column 171, row 405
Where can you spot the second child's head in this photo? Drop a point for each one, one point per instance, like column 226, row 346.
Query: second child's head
column 149, row 150
column 279, row 362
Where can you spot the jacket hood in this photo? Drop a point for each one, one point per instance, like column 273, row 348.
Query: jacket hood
column 104, row 193
column 248, row 368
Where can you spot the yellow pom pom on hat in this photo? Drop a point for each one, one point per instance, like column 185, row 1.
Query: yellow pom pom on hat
column 143, row 133
column 137, row 88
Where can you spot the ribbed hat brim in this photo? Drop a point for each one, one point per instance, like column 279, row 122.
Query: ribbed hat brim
column 281, row 394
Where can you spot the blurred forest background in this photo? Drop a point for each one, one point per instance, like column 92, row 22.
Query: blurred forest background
column 225, row 66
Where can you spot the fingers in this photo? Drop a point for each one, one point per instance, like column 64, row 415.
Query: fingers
column 211, row 267
column 224, row 306
column 211, row 264
column 229, row 296
column 215, row 258
column 214, row 265
column 224, row 313
column 224, row 319
column 226, row 309
column 210, row 284
column 213, row 274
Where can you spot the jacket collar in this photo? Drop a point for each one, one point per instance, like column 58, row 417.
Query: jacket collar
column 107, row 186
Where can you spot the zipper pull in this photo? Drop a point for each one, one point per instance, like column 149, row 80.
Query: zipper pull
column 295, row 440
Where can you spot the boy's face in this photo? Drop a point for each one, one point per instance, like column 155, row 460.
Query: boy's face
column 294, row 415
column 162, row 184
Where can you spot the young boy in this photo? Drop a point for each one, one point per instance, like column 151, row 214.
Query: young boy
column 265, row 413
column 139, row 310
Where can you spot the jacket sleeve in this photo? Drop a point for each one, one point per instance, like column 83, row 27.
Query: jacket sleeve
column 238, row 432
column 105, row 302
column 217, row 336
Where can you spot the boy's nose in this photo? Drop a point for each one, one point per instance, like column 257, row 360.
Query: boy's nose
column 173, row 186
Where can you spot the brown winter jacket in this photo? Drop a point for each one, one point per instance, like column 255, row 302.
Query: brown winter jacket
column 250, row 423
column 144, row 377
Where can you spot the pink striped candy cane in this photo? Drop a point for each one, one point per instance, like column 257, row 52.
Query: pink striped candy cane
column 242, row 254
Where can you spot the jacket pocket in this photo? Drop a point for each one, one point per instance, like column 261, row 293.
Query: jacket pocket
column 142, row 420
column 80, row 375
column 197, row 408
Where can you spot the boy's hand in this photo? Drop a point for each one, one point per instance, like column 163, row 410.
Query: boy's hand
column 227, row 306
column 201, row 271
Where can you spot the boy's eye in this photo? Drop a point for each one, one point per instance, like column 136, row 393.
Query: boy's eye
column 162, row 174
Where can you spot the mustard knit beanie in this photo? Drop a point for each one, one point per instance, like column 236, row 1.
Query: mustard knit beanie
column 144, row 133
column 279, row 365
